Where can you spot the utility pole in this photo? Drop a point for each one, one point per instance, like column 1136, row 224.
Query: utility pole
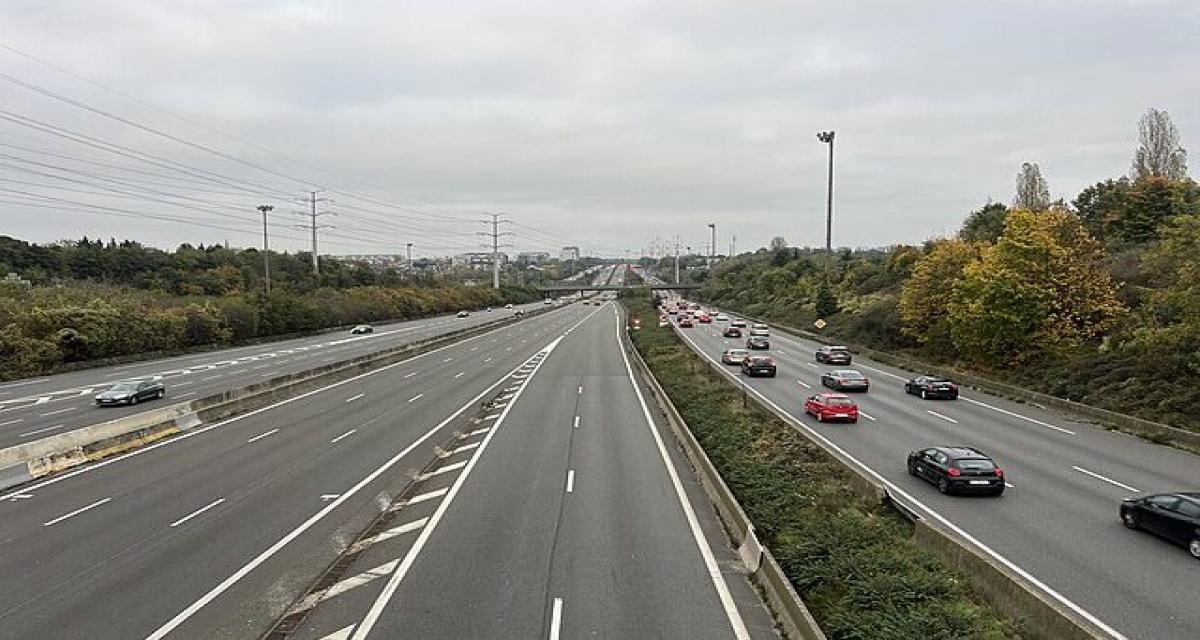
column 732, row 245
column 496, row 234
column 408, row 246
column 827, row 137
column 312, row 213
column 265, row 209
column 676, row 259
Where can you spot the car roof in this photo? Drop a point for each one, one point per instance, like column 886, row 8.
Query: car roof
column 961, row 451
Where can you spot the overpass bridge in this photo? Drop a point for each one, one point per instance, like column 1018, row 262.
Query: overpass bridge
column 572, row 288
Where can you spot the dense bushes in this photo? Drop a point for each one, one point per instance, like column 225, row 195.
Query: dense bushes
column 46, row 327
column 855, row 564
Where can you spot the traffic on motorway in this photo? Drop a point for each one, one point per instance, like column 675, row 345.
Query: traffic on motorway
column 1060, row 504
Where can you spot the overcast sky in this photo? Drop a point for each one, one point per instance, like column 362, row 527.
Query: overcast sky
column 607, row 124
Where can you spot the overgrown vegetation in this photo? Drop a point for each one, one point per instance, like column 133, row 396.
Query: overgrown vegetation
column 1096, row 301
column 855, row 564
column 89, row 301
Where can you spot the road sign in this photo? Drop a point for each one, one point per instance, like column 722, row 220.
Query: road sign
column 820, row 324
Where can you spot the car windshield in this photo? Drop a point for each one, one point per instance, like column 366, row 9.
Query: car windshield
column 974, row 464
column 124, row 386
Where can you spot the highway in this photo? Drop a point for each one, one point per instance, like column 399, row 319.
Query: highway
column 36, row 408
column 1058, row 519
column 514, row 519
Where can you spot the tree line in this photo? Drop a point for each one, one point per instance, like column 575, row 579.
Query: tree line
column 1096, row 299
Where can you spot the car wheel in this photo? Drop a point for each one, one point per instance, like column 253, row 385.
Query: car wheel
column 1194, row 548
column 820, row 417
column 943, row 485
column 133, row 399
column 1131, row 520
column 912, row 470
column 924, row 396
column 162, row 393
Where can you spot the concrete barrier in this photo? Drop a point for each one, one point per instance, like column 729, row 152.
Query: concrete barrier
column 31, row 460
column 1158, row 431
column 794, row 619
column 1043, row 616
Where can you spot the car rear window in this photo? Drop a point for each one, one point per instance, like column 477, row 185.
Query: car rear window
column 839, row 402
column 852, row 375
column 760, row 360
column 974, row 464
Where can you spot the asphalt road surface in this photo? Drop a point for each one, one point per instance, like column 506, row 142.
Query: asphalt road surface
column 1058, row 519
column 220, row 533
column 37, row 408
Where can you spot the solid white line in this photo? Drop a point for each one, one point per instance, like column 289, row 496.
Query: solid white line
column 866, row 415
column 410, row 375
column 1017, row 415
column 54, row 413
column 1108, row 480
column 576, row 422
column 262, row 435
column 5, row 424
column 197, row 512
column 570, row 481
column 344, row 435
column 804, row 384
column 437, row 493
column 372, row 616
column 416, row 397
column 354, row 397
column 710, row 561
column 459, row 374
column 30, row 433
column 212, row 594
column 75, row 512
column 446, row 469
column 896, row 490
column 556, row 619
column 938, row 415
column 580, row 392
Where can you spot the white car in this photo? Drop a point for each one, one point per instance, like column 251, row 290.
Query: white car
column 463, row 314
column 508, row 306
column 722, row 317
column 760, row 330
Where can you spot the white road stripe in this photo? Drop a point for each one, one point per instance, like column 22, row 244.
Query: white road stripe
column 866, row 415
column 410, row 375
column 804, row 384
column 416, row 397
column 184, row 395
column 479, row 432
column 388, row 535
column 76, row 512
column 812, row 365
column 492, row 417
column 576, row 422
column 1106, row 479
column 5, row 424
column 465, row 447
column 487, row 359
column 437, row 493
column 938, row 415
column 556, row 619
column 54, row 413
column 36, row 431
column 448, row 359
column 344, row 435
column 446, row 469
column 1017, row 415
column 580, row 392
column 354, row 397
column 262, row 435
column 459, row 374
column 197, row 512
column 570, row 481
column 359, row 580
column 340, row 634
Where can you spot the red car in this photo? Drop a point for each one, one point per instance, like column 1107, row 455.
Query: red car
column 705, row 318
column 831, row 406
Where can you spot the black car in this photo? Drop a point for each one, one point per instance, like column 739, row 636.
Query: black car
column 1174, row 516
column 732, row 332
column 759, row 366
column 845, row 380
column 957, row 469
column 131, row 392
column 833, row 355
column 758, row 342
column 932, row 387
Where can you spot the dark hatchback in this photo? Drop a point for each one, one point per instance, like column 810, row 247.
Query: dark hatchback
column 957, row 470
column 758, row 342
column 833, row 355
column 929, row 387
column 759, row 366
column 732, row 332
column 131, row 392
column 1174, row 516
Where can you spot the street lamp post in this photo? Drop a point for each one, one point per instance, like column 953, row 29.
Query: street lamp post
column 408, row 246
column 265, row 209
column 827, row 137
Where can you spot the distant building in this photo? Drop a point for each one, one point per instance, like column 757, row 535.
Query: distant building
column 569, row 253
column 478, row 260
column 526, row 258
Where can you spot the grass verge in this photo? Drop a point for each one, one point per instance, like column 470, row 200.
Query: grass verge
column 855, row 564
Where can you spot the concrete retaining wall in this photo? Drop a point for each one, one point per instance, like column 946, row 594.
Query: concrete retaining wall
column 31, row 460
